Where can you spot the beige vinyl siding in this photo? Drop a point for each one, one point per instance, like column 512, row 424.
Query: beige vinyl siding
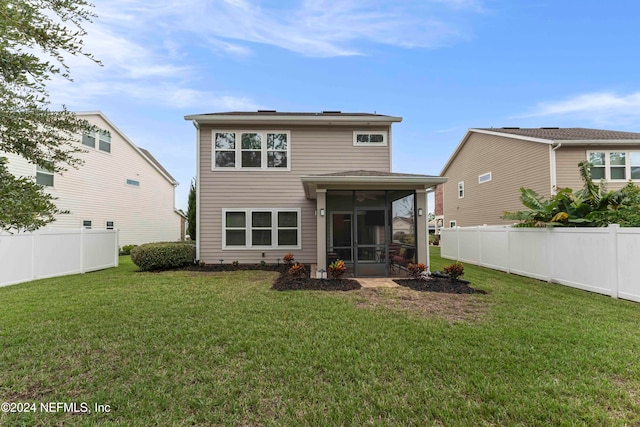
column 97, row 192
column 314, row 150
column 568, row 157
column 513, row 163
column 18, row 166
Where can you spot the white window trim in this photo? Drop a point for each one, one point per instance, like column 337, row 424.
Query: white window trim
column 460, row 187
column 45, row 172
column 607, row 164
column 480, row 181
column 274, row 229
column 88, row 227
column 238, row 150
column 384, row 133
column 452, row 224
column 96, row 140
column 132, row 185
column 110, row 227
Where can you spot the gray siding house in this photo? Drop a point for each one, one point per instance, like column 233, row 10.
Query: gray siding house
column 318, row 185
column 489, row 166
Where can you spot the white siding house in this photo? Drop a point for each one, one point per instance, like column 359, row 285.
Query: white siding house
column 119, row 186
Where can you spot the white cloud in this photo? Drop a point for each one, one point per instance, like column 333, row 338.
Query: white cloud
column 598, row 107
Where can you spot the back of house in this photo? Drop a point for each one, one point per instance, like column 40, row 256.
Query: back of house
column 317, row 185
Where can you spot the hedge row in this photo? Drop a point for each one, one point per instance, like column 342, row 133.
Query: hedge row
column 163, row 256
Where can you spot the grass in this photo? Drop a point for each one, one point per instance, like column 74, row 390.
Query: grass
column 186, row 348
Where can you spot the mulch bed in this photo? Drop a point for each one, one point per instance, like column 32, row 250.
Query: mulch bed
column 438, row 283
column 289, row 284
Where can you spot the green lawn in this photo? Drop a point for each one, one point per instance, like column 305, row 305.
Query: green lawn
column 185, row 348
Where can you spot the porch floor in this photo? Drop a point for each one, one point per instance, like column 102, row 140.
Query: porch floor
column 369, row 282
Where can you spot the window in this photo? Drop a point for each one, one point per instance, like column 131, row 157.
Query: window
column 44, row 175
column 614, row 165
column 103, row 137
column 369, row 138
column 250, row 150
column 89, row 139
column 261, row 228
column 133, row 182
column 485, row 177
column 452, row 224
column 461, row 190
column 110, row 225
column 104, row 143
column 86, row 223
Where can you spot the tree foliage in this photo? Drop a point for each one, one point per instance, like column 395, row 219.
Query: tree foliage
column 591, row 206
column 35, row 38
column 191, row 211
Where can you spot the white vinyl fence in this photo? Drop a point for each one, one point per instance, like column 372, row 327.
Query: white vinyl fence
column 602, row 260
column 55, row 252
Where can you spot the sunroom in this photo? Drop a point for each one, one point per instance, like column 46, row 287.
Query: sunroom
column 374, row 221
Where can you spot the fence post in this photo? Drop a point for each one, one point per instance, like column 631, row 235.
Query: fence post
column 117, row 247
column 550, row 257
column 34, row 243
column 480, row 246
column 457, row 243
column 613, row 250
column 82, row 235
column 508, row 228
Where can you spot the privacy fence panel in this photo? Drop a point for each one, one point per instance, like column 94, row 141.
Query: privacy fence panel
column 602, row 260
column 55, row 252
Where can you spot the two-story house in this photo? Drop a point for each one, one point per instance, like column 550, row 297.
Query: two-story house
column 489, row 166
column 118, row 186
column 318, row 185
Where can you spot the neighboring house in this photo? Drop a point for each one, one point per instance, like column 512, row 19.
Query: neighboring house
column 318, row 185
column 489, row 166
column 119, row 186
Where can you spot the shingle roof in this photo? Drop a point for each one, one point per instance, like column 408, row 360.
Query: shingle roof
column 157, row 163
column 372, row 173
column 568, row 134
column 284, row 113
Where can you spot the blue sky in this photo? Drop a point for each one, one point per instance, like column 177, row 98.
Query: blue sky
column 442, row 65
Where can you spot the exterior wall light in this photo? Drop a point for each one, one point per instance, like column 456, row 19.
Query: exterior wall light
column 419, row 211
column 321, row 212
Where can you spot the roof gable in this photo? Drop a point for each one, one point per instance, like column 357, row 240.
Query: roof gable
column 142, row 152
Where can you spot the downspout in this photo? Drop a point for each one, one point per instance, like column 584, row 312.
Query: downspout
column 554, row 178
column 195, row 123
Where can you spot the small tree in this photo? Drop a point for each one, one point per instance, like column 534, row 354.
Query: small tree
column 191, row 211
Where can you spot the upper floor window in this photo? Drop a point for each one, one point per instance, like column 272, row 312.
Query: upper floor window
column 251, row 150
column 110, row 225
column 369, row 138
column 133, row 182
column 461, row 190
column 103, row 137
column 104, row 143
column 614, row 165
column 485, row 177
column 44, row 175
column 86, row 223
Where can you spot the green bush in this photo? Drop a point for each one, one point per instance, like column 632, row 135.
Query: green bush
column 163, row 256
column 126, row 249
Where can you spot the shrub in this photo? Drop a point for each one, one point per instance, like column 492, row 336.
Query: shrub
column 163, row 256
column 236, row 263
column 297, row 271
column 415, row 270
column 434, row 239
column 454, row 270
column 337, row 268
column 126, row 249
column 288, row 258
column 263, row 263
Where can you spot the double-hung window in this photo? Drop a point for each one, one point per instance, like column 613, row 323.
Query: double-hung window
column 251, row 150
column 101, row 136
column 44, row 175
column 261, row 228
column 614, row 165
